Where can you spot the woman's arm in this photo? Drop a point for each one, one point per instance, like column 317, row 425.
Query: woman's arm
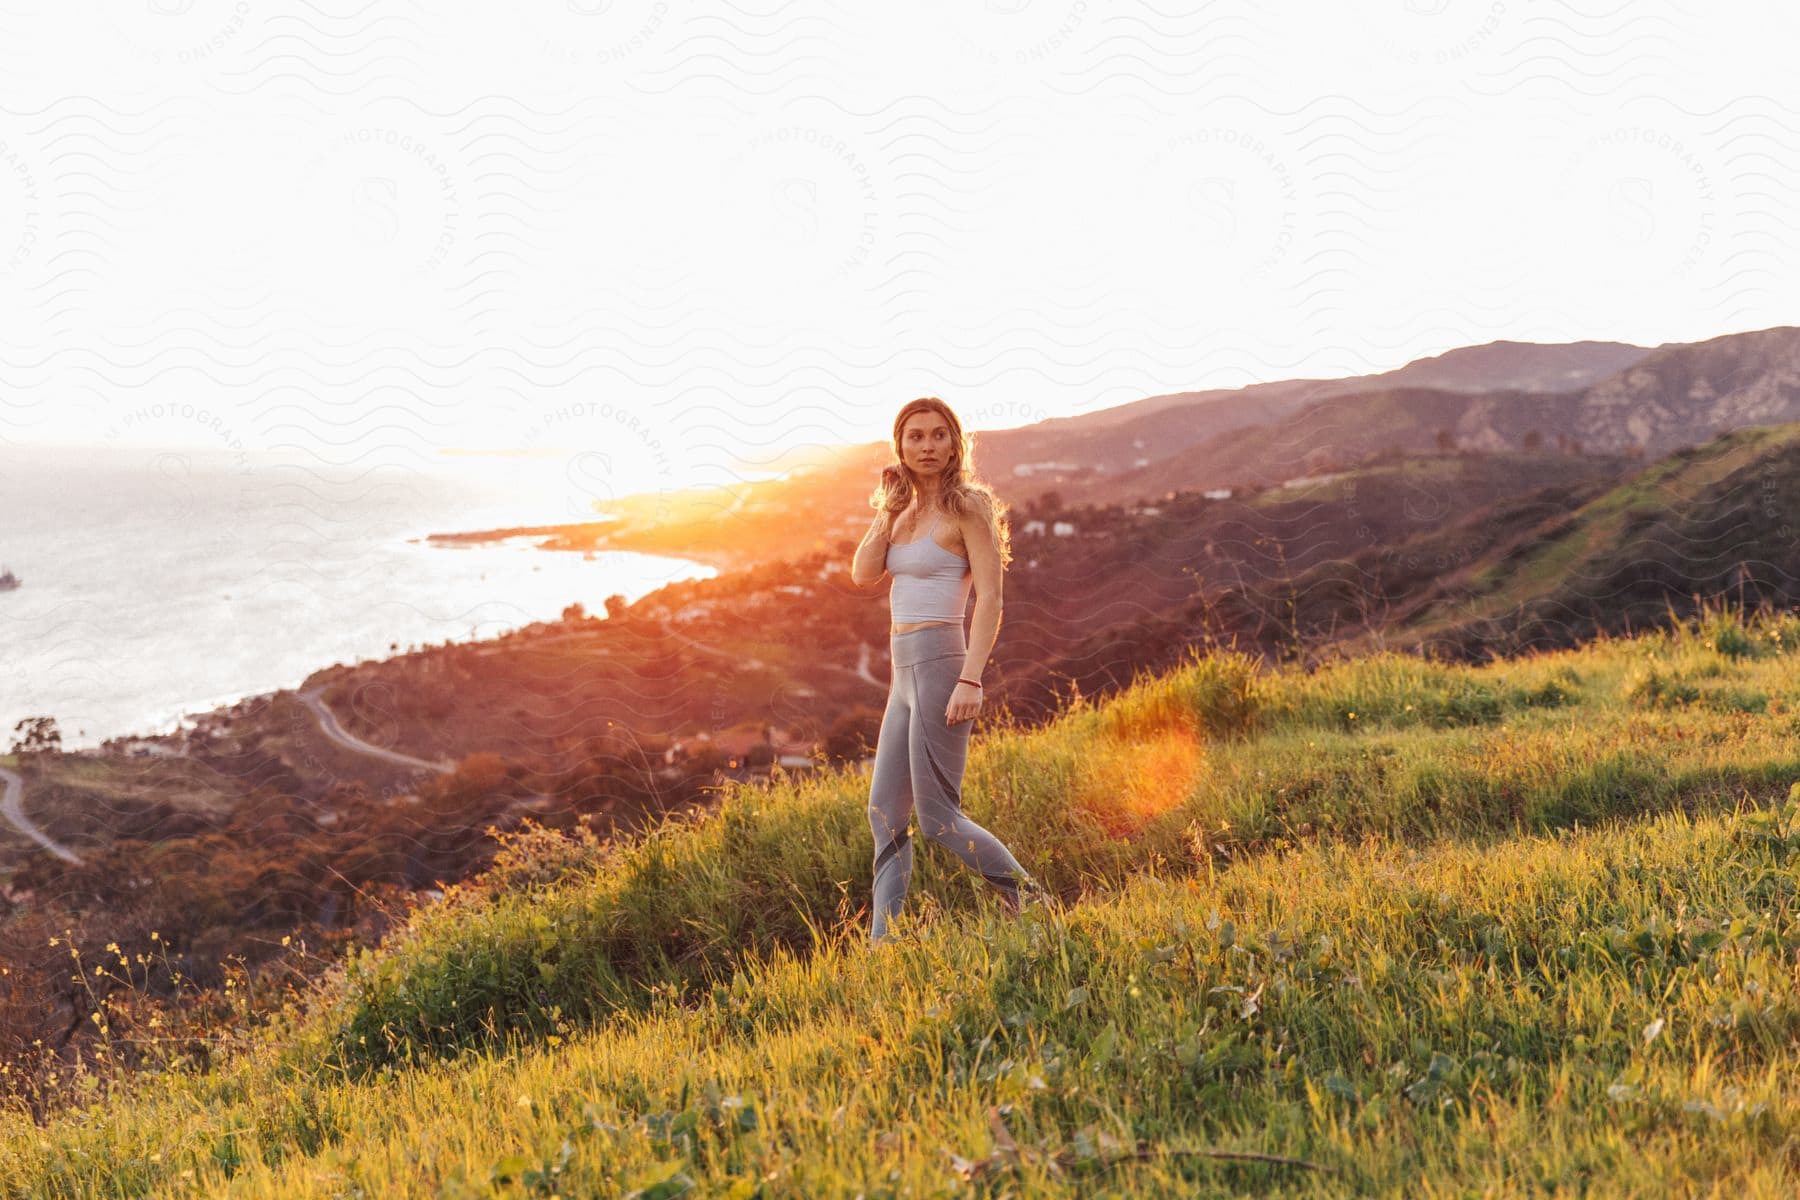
column 870, row 563
column 984, row 630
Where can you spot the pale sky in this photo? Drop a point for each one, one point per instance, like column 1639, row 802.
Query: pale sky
column 669, row 243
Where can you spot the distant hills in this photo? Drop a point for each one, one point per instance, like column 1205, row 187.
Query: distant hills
column 1575, row 398
column 1163, row 427
column 1721, row 518
column 1590, row 396
column 1486, row 499
column 1493, row 572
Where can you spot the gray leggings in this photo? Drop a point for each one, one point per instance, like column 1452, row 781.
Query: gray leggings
column 919, row 759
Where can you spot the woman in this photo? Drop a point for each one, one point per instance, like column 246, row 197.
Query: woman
column 935, row 531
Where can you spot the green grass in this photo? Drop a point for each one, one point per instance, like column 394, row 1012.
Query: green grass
column 1661, row 488
column 1420, row 471
column 1413, row 924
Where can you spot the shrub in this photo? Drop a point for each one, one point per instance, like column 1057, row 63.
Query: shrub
column 533, row 856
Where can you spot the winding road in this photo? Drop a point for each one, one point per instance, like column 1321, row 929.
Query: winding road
column 12, row 801
column 12, row 804
column 328, row 723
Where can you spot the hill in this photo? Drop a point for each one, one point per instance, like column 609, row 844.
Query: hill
column 1548, row 566
column 1674, row 396
column 1159, row 427
column 822, row 496
column 1607, row 398
column 1707, row 521
column 1387, row 925
column 1126, row 592
column 1682, row 394
column 1330, row 435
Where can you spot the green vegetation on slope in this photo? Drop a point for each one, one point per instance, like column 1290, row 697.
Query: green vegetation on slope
column 1614, row 1005
column 1589, row 547
column 1338, row 917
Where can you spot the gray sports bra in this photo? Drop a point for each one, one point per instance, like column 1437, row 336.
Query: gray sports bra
column 930, row 582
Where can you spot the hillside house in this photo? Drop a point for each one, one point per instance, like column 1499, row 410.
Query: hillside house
column 134, row 748
column 1217, row 493
column 1034, row 528
column 1063, row 529
column 736, row 743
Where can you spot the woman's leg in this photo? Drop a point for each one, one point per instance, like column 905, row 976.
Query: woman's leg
column 938, row 751
column 891, row 806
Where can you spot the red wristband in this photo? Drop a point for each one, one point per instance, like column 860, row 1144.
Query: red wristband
column 969, row 681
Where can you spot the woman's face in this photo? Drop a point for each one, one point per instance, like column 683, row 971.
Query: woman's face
column 925, row 443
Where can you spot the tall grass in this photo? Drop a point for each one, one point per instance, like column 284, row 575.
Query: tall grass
column 1183, row 772
column 1474, row 885
column 1612, row 1009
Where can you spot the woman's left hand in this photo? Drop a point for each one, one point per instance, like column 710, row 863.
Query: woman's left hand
column 965, row 702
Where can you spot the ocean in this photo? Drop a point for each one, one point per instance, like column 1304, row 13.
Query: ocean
column 163, row 582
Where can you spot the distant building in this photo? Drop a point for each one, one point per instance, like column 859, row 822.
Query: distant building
column 1063, row 528
column 134, row 748
column 1141, row 462
column 1033, row 468
column 1035, row 528
column 1217, row 493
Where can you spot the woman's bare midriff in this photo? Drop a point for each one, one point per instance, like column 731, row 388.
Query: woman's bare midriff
column 912, row 625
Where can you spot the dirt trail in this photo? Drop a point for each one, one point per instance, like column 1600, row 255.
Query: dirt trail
column 12, row 805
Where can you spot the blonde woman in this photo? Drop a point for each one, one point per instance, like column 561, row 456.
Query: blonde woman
column 936, row 531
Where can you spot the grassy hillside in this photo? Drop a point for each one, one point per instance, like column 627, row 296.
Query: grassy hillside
column 1708, row 519
column 1468, row 575
column 1360, row 547
column 1393, row 925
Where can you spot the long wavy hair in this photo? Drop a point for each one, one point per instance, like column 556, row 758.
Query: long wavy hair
column 961, row 492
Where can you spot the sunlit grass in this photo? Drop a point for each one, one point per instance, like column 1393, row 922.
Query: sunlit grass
column 1426, row 929
column 1618, row 1002
column 1388, row 745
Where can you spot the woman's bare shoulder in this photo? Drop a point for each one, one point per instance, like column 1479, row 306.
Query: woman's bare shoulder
column 973, row 522
column 978, row 509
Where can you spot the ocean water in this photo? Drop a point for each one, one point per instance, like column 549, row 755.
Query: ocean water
column 159, row 583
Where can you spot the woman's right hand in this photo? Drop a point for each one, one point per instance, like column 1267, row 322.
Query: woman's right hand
column 893, row 479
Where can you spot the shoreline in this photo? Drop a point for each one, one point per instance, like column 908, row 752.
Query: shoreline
column 175, row 725
column 588, row 537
